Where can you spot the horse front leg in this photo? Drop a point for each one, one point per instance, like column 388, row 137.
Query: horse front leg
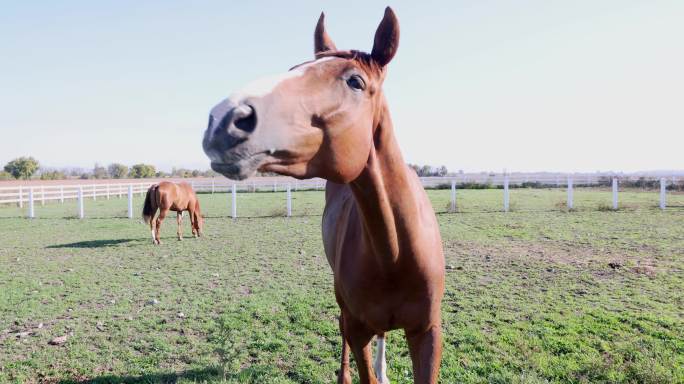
column 425, row 348
column 359, row 337
column 194, row 225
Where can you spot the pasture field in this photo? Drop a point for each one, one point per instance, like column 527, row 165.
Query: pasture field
column 534, row 295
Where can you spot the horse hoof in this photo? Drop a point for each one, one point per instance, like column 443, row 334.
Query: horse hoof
column 180, row 239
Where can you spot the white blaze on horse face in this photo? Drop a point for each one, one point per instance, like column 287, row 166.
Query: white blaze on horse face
column 265, row 85
column 380, row 365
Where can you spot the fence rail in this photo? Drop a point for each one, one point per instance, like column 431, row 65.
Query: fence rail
column 40, row 194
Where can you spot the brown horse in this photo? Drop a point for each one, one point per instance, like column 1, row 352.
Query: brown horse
column 167, row 196
column 328, row 118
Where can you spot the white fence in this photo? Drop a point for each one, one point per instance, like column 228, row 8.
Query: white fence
column 32, row 195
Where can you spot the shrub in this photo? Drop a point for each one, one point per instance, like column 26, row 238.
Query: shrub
column 141, row 171
column 52, row 175
column 100, row 172
column 117, row 171
column 22, row 167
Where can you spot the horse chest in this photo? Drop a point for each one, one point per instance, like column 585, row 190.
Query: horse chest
column 388, row 296
column 380, row 304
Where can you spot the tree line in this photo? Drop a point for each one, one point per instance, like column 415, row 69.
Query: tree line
column 429, row 170
column 27, row 168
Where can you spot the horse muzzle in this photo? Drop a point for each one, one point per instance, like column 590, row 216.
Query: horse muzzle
column 225, row 140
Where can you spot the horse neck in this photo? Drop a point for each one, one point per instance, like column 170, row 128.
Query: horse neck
column 386, row 196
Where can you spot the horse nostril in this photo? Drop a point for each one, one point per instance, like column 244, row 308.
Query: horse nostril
column 245, row 118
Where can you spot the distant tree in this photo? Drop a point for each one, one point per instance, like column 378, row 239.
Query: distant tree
column 196, row 173
column 210, row 173
column 162, row 174
column 52, row 175
column 141, row 171
column 181, row 172
column 22, row 167
column 100, row 172
column 5, row 175
column 117, row 171
column 428, row 170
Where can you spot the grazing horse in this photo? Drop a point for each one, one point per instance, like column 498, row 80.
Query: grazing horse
column 167, row 196
column 328, row 118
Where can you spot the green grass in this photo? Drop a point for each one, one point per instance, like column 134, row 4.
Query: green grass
column 531, row 297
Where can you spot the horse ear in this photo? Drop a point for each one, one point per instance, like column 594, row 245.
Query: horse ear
column 386, row 39
column 322, row 42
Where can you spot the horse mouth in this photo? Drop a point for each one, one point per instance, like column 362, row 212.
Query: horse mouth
column 239, row 169
column 231, row 171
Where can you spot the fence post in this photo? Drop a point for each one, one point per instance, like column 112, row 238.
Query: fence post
column 506, row 196
column 453, row 196
column 80, row 202
column 120, row 190
column 32, row 212
column 107, row 191
column 94, row 193
column 21, row 197
column 275, row 186
column 42, row 196
column 233, row 206
column 663, row 191
column 289, row 201
column 213, row 185
column 61, row 194
column 142, row 189
column 130, row 201
column 570, row 202
column 615, row 193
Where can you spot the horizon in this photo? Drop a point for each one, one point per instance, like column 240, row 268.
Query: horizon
column 530, row 87
column 669, row 172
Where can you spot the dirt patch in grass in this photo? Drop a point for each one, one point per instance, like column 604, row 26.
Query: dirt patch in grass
column 598, row 261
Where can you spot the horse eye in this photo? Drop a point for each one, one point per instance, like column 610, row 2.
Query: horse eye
column 356, row 82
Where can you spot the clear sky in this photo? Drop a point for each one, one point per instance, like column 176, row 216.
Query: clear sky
column 476, row 85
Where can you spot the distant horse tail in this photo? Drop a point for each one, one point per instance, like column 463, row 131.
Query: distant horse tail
column 150, row 206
